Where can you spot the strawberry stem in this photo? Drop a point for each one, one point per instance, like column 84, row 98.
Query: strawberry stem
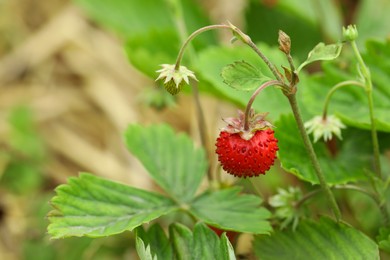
column 253, row 97
column 192, row 36
column 333, row 89
column 313, row 157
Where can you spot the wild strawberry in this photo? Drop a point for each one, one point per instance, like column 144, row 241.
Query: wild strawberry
column 247, row 152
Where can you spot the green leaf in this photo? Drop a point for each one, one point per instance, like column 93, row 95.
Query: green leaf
column 355, row 147
column 95, row 207
column 322, row 52
column 156, row 240
column 212, row 60
column 242, row 76
column 325, row 239
column 182, row 241
column 172, row 160
column 203, row 243
column 229, row 210
column 143, row 251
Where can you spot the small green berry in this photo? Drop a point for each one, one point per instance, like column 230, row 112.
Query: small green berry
column 174, row 79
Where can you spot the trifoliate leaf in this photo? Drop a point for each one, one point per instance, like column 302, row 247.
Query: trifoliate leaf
column 243, row 76
column 95, row 207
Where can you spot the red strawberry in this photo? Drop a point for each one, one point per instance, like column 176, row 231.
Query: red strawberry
column 247, row 153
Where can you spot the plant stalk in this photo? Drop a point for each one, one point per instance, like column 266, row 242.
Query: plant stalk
column 368, row 87
column 253, row 97
column 192, row 36
column 333, row 90
column 313, row 157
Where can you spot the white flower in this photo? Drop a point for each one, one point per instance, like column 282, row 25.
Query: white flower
column 324, row 128
column 174, row 79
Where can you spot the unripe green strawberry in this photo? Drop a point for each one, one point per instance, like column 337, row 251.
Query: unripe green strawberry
column 247, row 153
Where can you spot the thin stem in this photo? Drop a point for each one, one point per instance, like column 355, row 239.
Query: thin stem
column 180, row 24
column 368, row 86
column 202, row 127
column 266, row 60
column 313, row 157
column 193, row 35
column 333, row 90
column 253, row 97
column 311, row 194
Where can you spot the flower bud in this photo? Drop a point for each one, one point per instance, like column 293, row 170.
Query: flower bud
column 284, row 42
column 350, row 33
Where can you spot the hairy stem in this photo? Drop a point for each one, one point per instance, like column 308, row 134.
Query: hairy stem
column 193, row 35
column 253, row 97
column 313, row 157
column 333, row 90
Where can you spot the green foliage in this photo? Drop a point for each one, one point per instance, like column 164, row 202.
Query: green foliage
column 322, row 52
column 202, row 243
column 171, row 160
column 92, row 206
column 350, row 103
column 324, row 239
column 242, row 76
column 384, row 239
column 227, row 209
column 153, row 243
column 338, row 169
